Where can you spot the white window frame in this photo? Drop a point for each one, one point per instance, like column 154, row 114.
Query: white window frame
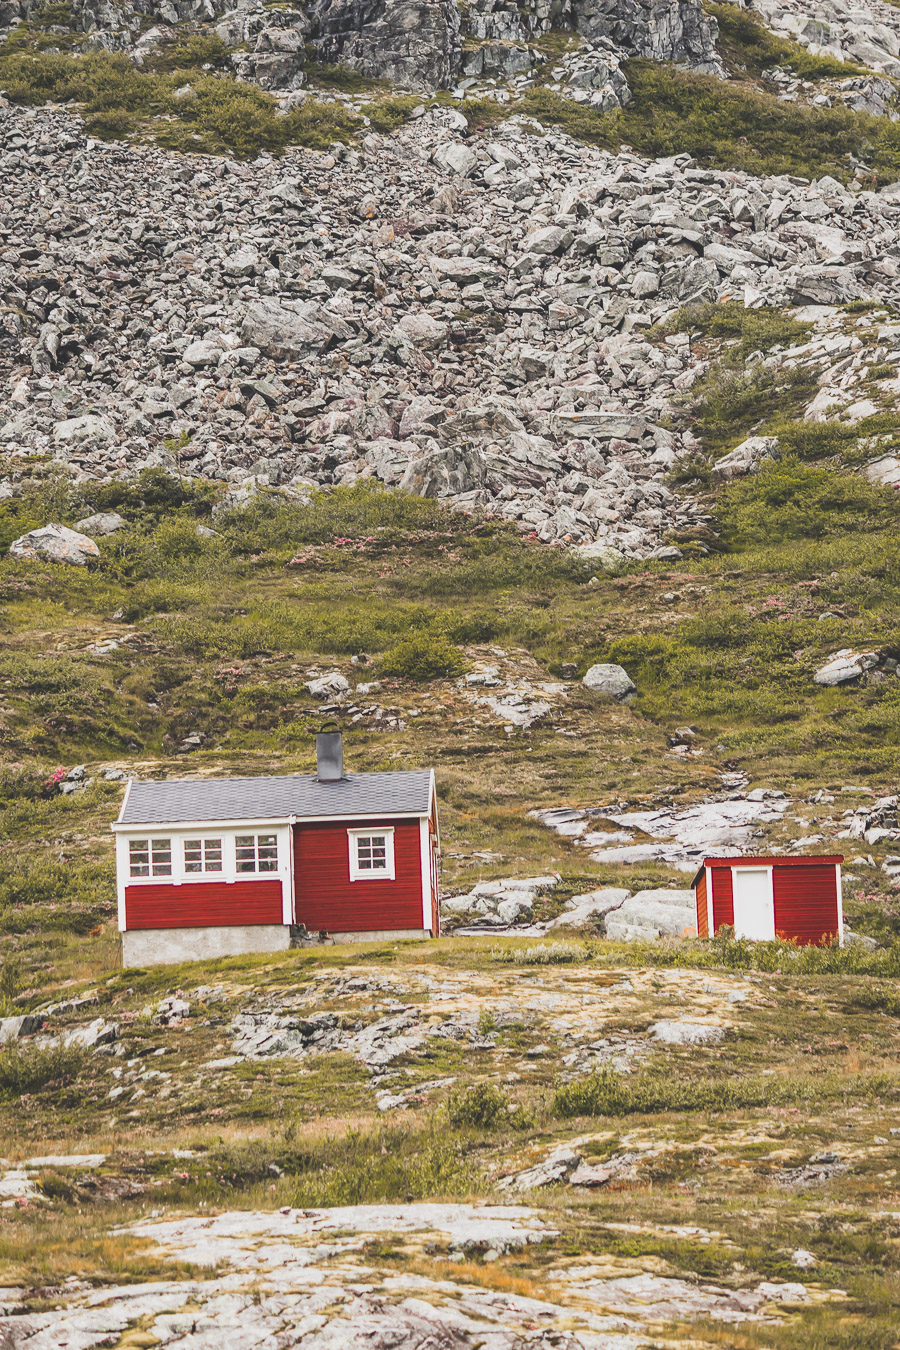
column 154, row 868
column 386, row 873
column 240, row 870
column 204, row 868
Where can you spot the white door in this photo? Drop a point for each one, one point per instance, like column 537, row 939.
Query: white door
column 754, row 903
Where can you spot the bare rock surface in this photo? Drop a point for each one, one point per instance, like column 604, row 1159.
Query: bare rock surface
column 303, row 1278
column 681, row 835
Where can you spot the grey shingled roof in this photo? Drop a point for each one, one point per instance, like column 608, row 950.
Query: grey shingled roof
column 362, row 794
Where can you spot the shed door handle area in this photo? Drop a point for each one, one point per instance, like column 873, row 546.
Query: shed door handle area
column 754, row 903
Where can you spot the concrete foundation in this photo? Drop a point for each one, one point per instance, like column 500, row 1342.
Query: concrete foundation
column 167, row 946
column 379, row 935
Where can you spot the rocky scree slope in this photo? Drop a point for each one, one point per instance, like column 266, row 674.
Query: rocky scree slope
column 458, row 314
column 418, row 44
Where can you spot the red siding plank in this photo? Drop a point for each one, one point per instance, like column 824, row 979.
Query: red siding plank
column 806, row 907
column 203, row 904
column 723, row 897
column 325, row 897
column 702, row 925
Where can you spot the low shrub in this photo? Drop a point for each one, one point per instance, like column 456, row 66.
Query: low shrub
column 749, row 47
column 26, row 1069
column 753, row 330
column 726, row 125
column 787, row 499
column 543, row 954
column 482, row 1107
column 877, row 999
column 607, row 1093
column 424, row 656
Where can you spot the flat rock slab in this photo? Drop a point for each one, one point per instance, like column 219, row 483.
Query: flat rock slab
column 298, row 1278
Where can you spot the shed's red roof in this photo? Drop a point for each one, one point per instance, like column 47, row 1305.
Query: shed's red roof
column 769, row 859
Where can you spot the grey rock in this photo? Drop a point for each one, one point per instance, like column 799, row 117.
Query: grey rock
column 844, row 666
column 687, row 1033
column 612, row 680
column 11, row 1028
column 744, row 458
column 57, row 544
column 104, row 522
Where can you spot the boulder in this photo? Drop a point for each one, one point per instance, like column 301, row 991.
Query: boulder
column 744, row 458
column 456, row 158
column 11, row 1028
column 329, row 686
column 444, row 473
column 611, row 680
column 844, row 666
column 291, row 331
column 55, row 543
column 104, row 522
column 884, row 471
column 651, row 914
column 83, row 430
column 686, row 1033
column 421, row 330
column 584, row 911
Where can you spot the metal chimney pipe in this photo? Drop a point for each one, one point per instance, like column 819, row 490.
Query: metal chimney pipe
column 329, row 754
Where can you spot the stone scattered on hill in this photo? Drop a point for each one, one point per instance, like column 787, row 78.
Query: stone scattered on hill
column 847, row 665
column 291, row 338
column 57, row 544
column 611, row 680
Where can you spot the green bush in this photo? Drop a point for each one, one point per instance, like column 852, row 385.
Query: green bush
column 754, row 330
column 543, row 954
column 747, row 45
column 481, row 1107
column 607, row 1093
column 725, row 125
column 221, row 115
column 424, row 656
column 730, row 400
column 26, row 1069
column 787, row 499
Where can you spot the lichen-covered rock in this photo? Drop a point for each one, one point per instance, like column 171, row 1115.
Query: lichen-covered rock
column 55, row 543
column 415, row 43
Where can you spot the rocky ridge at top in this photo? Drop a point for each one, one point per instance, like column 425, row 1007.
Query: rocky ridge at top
column 461, row 315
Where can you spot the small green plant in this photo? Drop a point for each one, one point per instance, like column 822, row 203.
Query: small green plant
column 483, row 1107
column 11, row 980
column 543, row 954
column 424, row 656
column 787, row 499
column 27, row 1069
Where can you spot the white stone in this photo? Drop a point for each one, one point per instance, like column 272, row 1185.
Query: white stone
column 611, row 680
column 845, row 665
column 55, row 543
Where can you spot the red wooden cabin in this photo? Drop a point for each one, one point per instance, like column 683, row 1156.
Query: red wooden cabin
column 796, row 899
column 222, row 866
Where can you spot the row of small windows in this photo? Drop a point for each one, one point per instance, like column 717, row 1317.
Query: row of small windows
column 252, row 853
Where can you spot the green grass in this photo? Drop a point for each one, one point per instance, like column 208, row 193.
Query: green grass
column 608, row 1093
column 726, row 126
column 749, row 48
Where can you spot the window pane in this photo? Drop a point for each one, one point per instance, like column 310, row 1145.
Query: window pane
column 193, row 855
column 139, row 857
column 161, row 857
column 213, row 855
column 245, row 853
column 267, row 849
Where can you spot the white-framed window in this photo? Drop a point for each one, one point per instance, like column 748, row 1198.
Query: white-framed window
column 371, row 854
column 256, row 853
column 150, row 857
column 202, row 855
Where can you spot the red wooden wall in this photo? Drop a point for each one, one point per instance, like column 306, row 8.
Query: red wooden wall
column 326, row 898
column 702, row 924
column 203, row 904
column 806, row 906
column 723, row 897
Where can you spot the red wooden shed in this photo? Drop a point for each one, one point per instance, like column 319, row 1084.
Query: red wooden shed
column 761, row 897
column 223, row 866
